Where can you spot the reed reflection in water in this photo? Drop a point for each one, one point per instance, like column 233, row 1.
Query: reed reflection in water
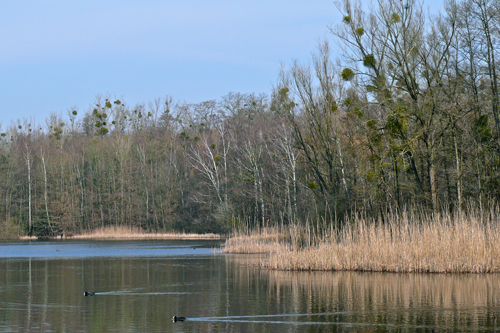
column 394, row 301
column 440, row 301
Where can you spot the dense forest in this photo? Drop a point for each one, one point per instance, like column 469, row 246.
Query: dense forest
column 405, row 115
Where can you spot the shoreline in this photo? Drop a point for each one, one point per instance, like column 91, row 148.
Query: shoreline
column 166, row 236
column 127, row 233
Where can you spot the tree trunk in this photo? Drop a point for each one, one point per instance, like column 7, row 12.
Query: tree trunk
column 29, row 164
column 459, row 175
column 45, row 191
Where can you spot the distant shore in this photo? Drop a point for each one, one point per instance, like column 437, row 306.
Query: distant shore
column 439, row 244
column 124, row 233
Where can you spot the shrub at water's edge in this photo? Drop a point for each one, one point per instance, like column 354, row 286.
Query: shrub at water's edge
column 10, row 230
column 439, row 244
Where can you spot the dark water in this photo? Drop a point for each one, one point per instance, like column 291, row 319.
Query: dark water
column 140, row 285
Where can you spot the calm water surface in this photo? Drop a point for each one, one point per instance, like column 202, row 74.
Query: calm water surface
column 140, row 285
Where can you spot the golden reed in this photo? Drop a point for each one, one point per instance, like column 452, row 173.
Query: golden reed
column 124, row 232
column 401, row 244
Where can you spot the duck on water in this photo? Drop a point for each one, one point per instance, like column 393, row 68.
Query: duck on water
column 176, row 319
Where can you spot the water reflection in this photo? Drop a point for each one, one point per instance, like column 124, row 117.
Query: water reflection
column 399, row 301
column 219, row 293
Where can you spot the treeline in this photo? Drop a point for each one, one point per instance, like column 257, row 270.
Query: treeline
column 408, row 117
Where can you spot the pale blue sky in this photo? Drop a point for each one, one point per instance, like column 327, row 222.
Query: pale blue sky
column 60, row 54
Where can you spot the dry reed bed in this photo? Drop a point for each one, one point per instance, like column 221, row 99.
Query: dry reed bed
column 402, row 245
column 135, row 233
column 120, row 233
column 264, row 240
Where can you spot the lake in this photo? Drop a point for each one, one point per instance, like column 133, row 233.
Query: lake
column 140, row 285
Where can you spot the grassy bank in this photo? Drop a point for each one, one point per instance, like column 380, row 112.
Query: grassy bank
column 402, row 244
column 120, row 233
